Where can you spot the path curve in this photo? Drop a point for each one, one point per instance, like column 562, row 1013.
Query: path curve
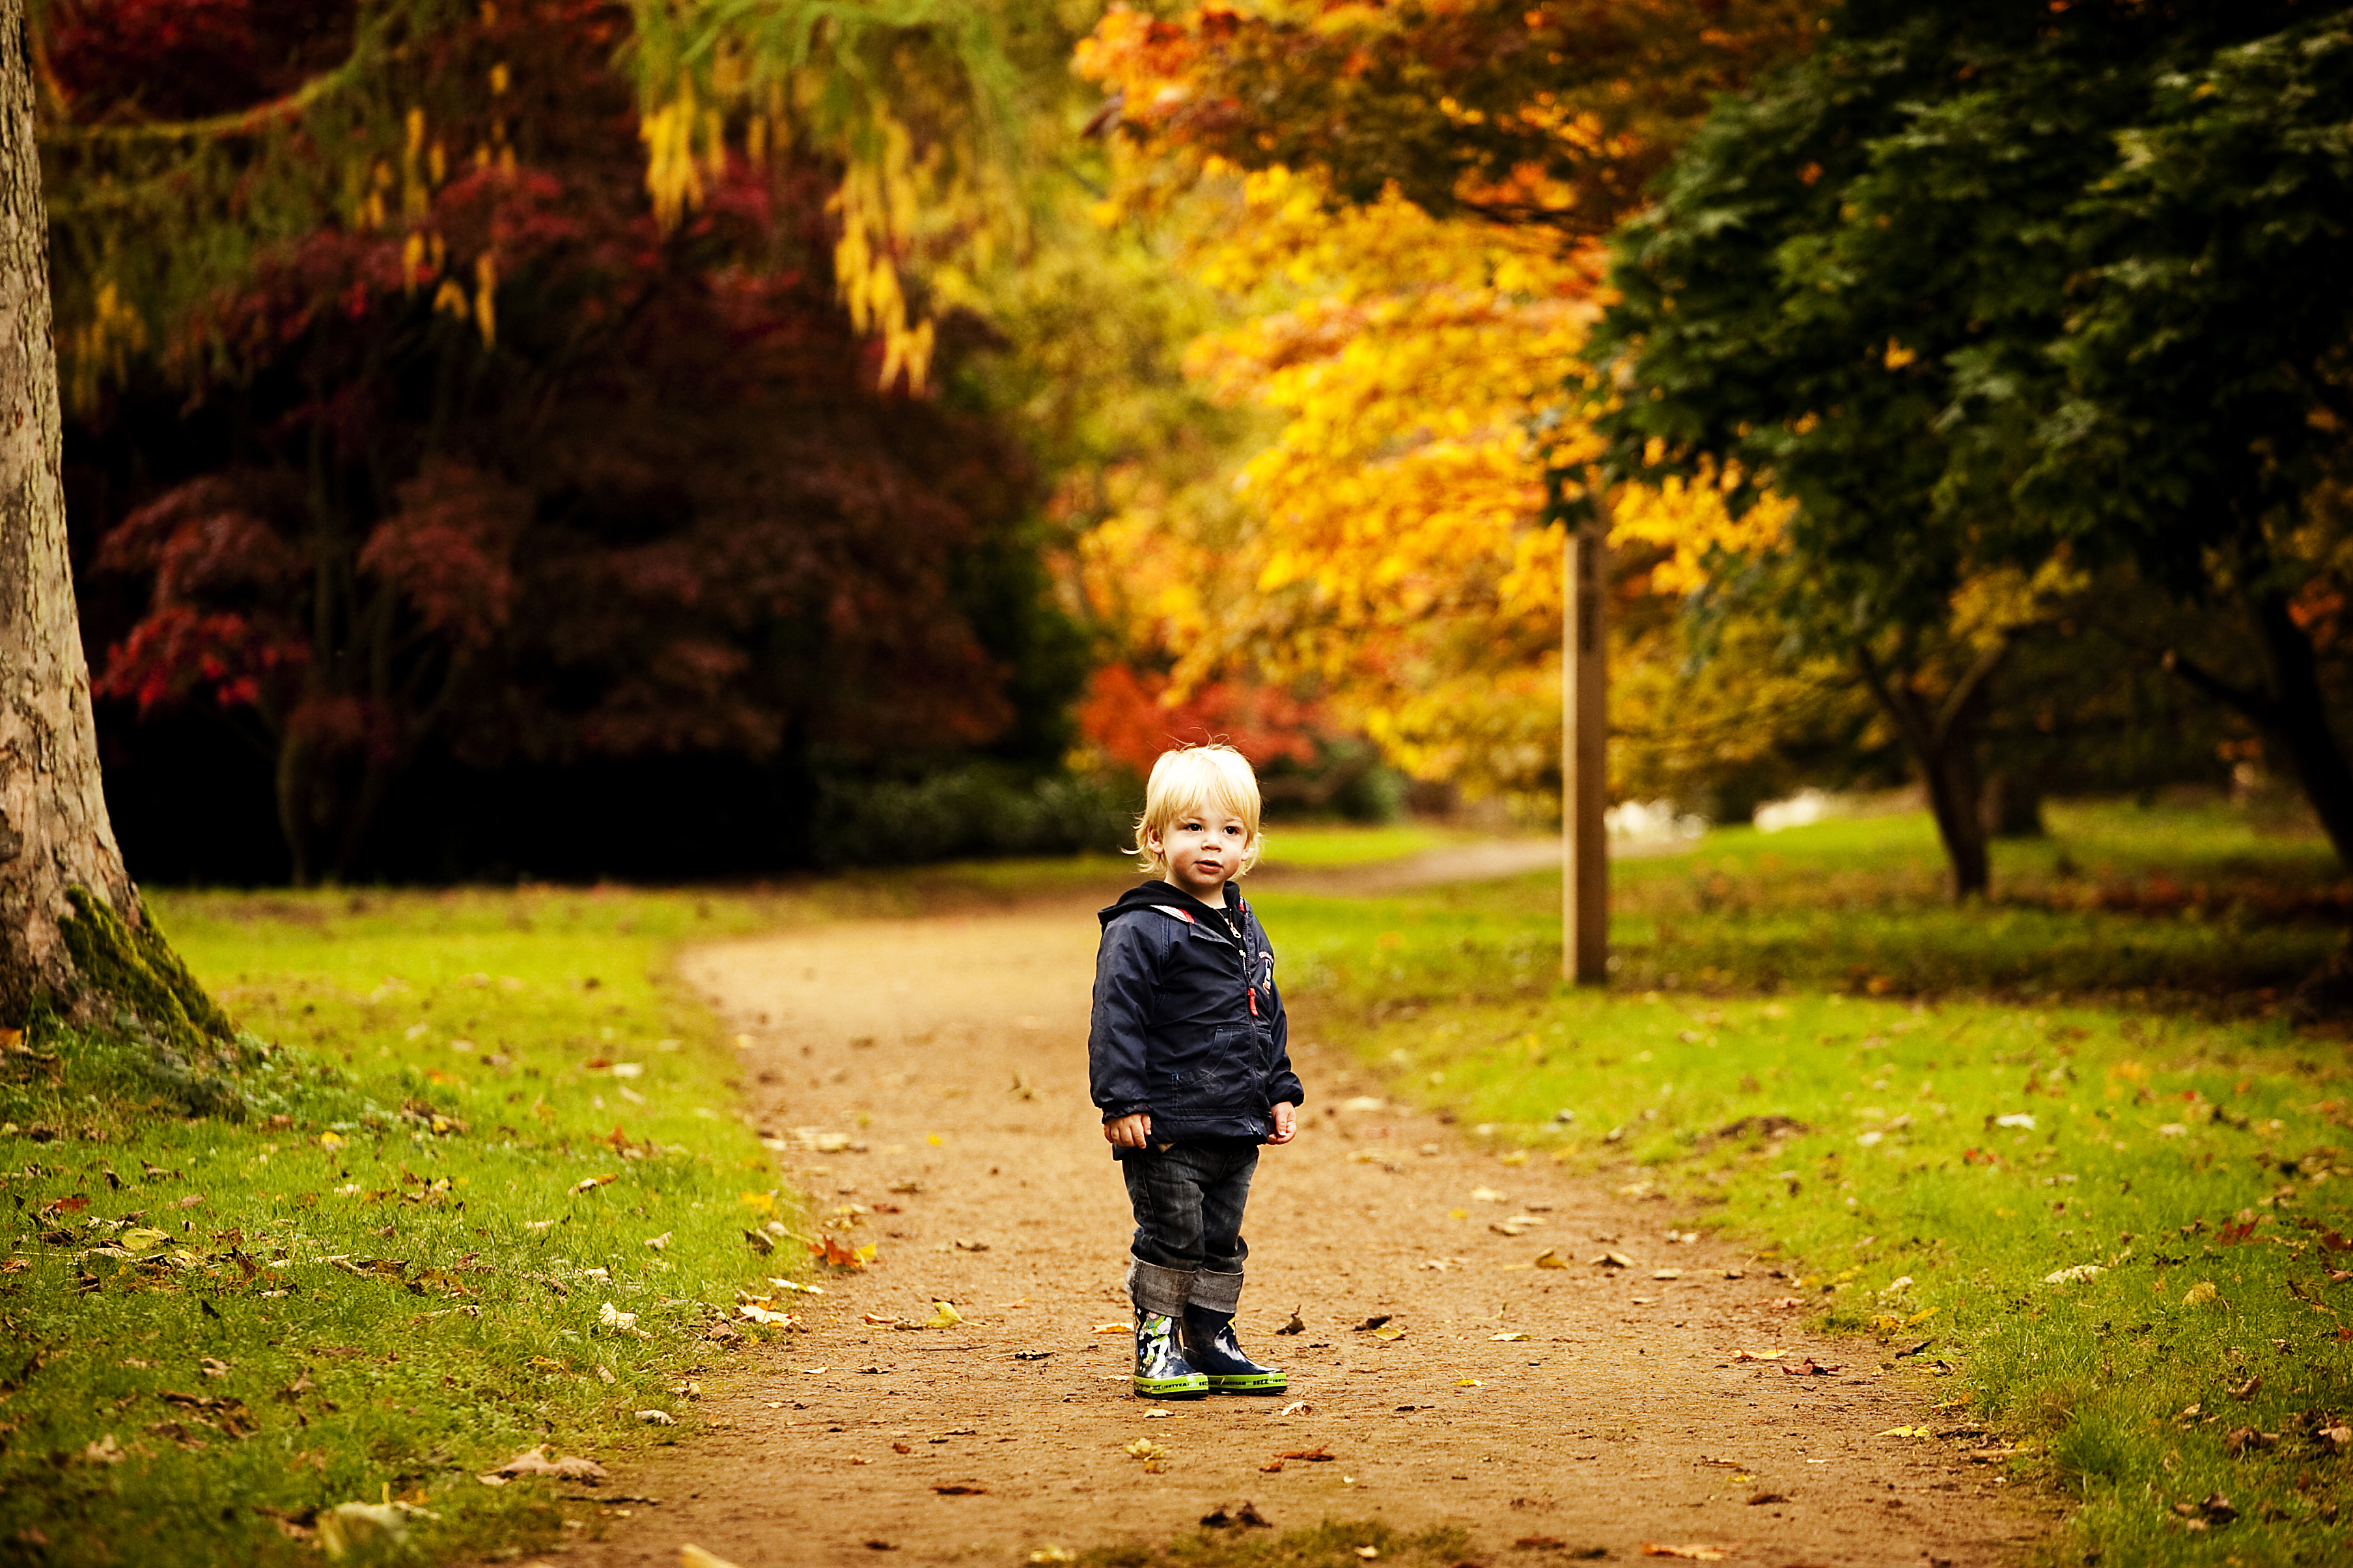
column 1591, row 1405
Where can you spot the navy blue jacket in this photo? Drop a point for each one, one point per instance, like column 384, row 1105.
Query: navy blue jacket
column 1187, row 1025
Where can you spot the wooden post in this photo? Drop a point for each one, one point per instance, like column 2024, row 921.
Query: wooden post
column 1584, row 761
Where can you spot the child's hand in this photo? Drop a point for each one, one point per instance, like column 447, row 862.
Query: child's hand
column 1129, row 1131
column 1286, row 1122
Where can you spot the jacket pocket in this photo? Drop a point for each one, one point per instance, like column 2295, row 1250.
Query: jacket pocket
column 1233, row 1078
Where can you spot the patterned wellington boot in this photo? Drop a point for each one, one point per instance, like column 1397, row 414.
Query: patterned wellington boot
column 1210, row 1345
column 1161, row 1370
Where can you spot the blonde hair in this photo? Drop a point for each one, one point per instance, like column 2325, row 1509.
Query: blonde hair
column 1192, row 779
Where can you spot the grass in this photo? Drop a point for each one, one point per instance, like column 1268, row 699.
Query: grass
column 1333, row 1543
column 391, row 1274
column 1323, row 847
column 1943, row 1151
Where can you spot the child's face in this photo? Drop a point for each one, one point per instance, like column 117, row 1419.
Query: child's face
column 1204, row 850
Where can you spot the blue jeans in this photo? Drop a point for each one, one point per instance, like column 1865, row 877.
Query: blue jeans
column 1188, row 1203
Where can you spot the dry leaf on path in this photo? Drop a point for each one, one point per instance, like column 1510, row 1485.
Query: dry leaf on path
column 1549, row 1257
column 1388, row 1332
column 1510, row 1335
column 1315, row 1456
column 533, row 1461
column 943, row 1316
column 959, row 1489
column 692, row 1556
column 1144, row 1448
column 1809, row 1367
column 1115, row 1328
column 1758, row 1355
column 1296, row 1326
column 1369, row 1324
column 1907, row 1432
column 1696, row 1553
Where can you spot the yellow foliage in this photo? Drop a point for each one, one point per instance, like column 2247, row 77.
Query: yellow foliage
column 1388, row 546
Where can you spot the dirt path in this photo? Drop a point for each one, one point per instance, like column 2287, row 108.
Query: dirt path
column 1602, row 1407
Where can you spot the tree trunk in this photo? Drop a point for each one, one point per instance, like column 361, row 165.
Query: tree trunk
column 2292, row 715
column 2299, row 722
column 73, row 936
column 1943, row 739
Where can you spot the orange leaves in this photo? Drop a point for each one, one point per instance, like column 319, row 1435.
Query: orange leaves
column 836, row 1253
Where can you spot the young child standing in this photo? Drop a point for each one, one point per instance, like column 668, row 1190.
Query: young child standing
column 1189, row 1061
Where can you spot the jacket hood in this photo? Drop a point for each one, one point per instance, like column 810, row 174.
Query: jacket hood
column 1165, row 895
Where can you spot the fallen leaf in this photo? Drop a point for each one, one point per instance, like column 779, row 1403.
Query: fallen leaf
column 590, row 1183
column 752, row 1312
column 1296, row 1326
column 1809, row 1367
column 2070, row 1276
column 657, row 1418
column 1144, row 1448
column 1759, row 1499
column 1369, row 1552
column 2199, row 1294
column 1550, row 1258
column 1486, row 1195
column 1316, row 1455
column 692, row 1556
column 959, row 1489
column 1271, row 1467
column 533, row 1461
column 1759, row 1355
column 1666, row 1273
column 1468, row 1382
column 1696, row 1553
column 789, row 1285
column 1369, row 1324
column 880, row 1321
column 1388, row 1332
column 612, row 1317
column 1510, row 1335
column 943, row 1316
column 1907, row 1432
column 1297, row 1407
column 1613, row 1260
column 365, row 1529
column 1115, row 1328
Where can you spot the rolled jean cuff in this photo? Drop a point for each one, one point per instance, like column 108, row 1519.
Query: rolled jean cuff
column 1158, row 1290
column 1214, row 1290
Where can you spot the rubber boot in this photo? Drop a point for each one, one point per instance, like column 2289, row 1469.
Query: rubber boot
column 1210, row 1345
column 1161, row 1368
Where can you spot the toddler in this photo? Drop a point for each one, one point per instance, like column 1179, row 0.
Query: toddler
column 1189, row 1060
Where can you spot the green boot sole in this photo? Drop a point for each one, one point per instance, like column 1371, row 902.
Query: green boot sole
column 1192, row 1386
column 1250, row 1383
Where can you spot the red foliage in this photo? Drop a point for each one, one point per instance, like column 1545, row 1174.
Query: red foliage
column 662, row 509
column 177, row 60
column 1128, row 715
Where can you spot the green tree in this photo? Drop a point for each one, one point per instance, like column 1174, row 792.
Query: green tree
column 1865, row 287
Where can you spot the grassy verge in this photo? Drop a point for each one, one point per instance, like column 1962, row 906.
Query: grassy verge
column 479, row 1119
column 2122, row 1229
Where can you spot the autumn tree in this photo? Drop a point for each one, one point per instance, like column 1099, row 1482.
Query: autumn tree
column 502, row 459
column 1400, row 199
column 77, row 939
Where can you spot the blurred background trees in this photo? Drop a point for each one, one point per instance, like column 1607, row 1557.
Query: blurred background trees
column 586, row 437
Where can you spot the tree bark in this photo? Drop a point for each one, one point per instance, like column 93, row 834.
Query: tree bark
column 73, row 935
column 2292, row 715
column 1943, row 739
